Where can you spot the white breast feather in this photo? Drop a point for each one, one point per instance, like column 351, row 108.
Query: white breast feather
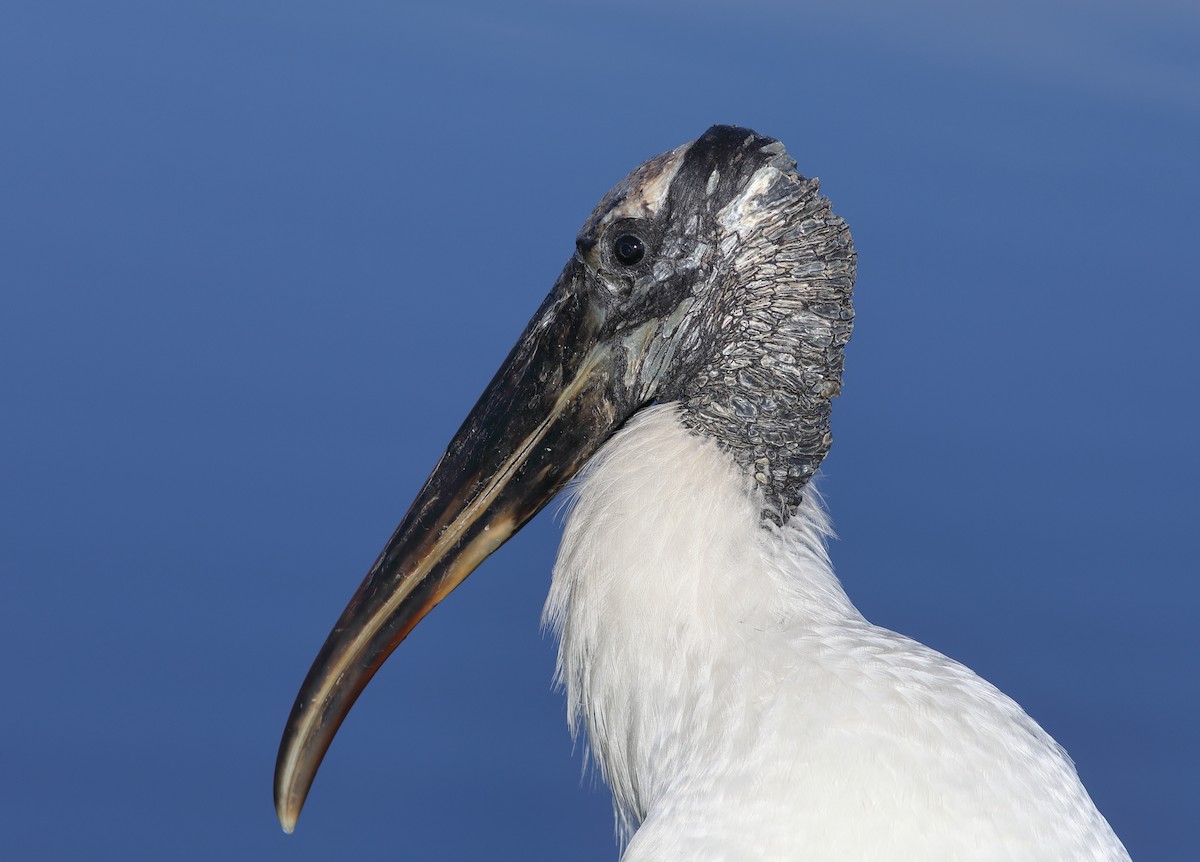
column 741, row 708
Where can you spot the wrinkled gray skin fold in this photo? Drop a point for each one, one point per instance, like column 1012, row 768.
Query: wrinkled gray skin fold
column 739, row 310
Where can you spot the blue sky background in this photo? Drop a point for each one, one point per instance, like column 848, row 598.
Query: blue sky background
column 258, row 259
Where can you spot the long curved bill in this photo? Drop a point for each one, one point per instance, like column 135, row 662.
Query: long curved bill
column 547, row 410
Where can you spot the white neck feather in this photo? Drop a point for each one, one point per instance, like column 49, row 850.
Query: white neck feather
column 740, row 707
column 669, row 586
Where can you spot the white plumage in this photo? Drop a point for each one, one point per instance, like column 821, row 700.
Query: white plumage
column 741, row 708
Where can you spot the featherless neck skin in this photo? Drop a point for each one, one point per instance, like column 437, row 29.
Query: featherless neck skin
column 769, row 347
column 758, row 353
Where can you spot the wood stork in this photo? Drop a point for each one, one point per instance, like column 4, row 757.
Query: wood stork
column 737, row 703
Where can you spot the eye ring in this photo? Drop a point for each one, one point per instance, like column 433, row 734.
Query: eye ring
column 628, row 249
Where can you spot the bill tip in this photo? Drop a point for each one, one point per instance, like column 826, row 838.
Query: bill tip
column 287, row 819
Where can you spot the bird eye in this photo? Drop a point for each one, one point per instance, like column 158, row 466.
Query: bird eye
column 628, row 249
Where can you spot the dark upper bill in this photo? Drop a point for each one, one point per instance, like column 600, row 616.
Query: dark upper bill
column 550, row 406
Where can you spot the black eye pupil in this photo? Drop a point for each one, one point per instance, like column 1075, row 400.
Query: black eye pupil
column 629, row 249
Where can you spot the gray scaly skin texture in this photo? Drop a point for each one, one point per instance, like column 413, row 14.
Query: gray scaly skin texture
column 755, row 355
column 786, row 314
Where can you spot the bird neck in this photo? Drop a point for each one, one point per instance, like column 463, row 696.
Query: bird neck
column 669, row 590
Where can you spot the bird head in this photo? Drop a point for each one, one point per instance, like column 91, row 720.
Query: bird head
column 714, row 276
